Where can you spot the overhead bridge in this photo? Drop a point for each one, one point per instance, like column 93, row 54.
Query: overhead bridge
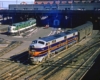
column 73, row 6
column 76, row 13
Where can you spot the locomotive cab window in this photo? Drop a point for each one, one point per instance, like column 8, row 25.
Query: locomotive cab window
column 40, row 42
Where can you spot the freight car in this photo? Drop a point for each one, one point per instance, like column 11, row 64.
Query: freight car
column 40, row 49
column 21, row 26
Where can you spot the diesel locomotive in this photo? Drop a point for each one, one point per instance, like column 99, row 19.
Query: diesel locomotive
column 40, row 48
column 21, row 26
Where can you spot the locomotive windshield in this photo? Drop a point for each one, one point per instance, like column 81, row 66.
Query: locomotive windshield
column 40, row 42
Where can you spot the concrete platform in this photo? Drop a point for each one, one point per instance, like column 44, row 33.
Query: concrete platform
column 3, row 26
column 23, row 47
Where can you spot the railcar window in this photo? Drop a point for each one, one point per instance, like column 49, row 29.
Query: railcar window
column 41, row 42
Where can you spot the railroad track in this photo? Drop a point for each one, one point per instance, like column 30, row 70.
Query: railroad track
column 29, row 32
column 50, row 70
column 3, row 65
column 19, row 71
column 32, row 71
column 10, row 47
column 84, row 65
column 6, row 71
column 16, row 70
column 23, row 73
column 11, row 73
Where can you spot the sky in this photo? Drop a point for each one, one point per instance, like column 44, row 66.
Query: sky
column 5, row 3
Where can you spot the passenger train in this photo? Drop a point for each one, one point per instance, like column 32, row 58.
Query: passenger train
column 40, row 49
column 21, row 26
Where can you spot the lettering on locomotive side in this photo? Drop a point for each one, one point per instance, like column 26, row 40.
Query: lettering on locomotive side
column 59, row 45
column 53, row 48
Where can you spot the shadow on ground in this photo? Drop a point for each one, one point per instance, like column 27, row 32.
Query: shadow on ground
column 22, row 58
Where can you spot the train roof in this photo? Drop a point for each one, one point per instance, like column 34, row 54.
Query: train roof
column 83, row 26
column 52, row 37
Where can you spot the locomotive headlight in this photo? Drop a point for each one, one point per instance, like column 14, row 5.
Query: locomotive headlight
column 32, row 50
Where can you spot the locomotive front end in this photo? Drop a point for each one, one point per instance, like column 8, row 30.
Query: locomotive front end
column 11, row 29
column 35, row 51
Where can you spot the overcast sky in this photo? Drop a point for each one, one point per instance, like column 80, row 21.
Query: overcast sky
column 5, row 3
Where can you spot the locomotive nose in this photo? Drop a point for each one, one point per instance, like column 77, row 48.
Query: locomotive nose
column 32, row 51
column 36, row 53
